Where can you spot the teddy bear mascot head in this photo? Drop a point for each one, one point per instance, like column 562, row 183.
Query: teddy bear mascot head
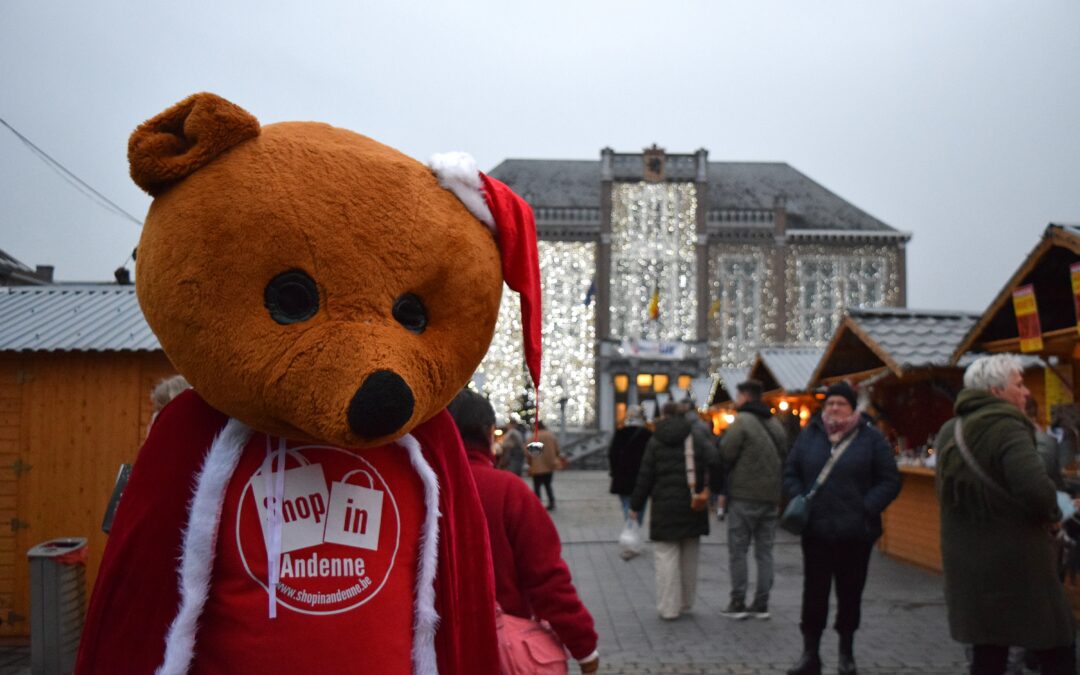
column 308, row 507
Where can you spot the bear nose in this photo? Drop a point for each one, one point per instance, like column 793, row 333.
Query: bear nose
column 381, row 405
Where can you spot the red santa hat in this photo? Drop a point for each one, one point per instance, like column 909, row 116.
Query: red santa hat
column 510, row 218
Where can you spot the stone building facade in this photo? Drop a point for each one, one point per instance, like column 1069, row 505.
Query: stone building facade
column 658, row 269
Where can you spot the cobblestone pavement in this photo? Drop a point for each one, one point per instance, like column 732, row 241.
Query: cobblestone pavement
column 903, row 619
column 903, row 629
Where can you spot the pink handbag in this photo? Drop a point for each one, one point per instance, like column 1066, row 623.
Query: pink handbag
column 528, row 647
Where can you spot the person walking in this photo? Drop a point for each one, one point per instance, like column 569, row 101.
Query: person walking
column 844, row 518
column 998, row 510
column 513, row 445
column 752, row 452
column 531, row 578
column 624, row 459
column 543, row 464
column 673, row 476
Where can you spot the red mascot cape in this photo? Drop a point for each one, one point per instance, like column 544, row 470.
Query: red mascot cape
column 188, row 563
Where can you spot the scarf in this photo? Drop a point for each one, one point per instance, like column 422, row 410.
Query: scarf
column 837, row 428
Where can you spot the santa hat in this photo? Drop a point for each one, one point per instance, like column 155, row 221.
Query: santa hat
column 510, row 218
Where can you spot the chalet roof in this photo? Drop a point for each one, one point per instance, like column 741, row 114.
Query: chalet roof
column 787, row 368
column 73, row 317
column 732, row 186
column 1047, row 269
column 727, row 380
column 900, row 340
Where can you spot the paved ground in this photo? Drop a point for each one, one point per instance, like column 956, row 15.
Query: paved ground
column 903, row 626
column 903, row 631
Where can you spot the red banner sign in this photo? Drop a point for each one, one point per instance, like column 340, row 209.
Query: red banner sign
column 1027, row 319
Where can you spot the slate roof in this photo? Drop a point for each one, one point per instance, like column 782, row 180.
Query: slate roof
column 736, row 186
column 791, row 367
column 914, row 338
column 73, row 317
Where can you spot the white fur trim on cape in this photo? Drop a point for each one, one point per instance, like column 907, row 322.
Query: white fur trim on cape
column 457, row 173
column 199, row 544
column 426, row 619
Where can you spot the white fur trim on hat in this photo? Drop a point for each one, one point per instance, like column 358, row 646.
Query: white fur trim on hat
column 457, row 173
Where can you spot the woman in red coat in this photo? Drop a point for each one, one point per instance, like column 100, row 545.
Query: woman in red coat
column 531, row 578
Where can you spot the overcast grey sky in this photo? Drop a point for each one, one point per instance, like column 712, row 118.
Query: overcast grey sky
column 956, row 120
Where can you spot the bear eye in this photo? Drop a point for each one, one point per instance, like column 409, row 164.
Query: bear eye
column 409, row 311
column 291, row 297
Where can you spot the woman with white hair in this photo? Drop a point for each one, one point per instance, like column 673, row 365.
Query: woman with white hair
column 997, row 509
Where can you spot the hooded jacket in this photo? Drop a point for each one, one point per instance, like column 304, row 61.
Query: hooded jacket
column 1001, row 585
column 753, row 450
column 662, row 478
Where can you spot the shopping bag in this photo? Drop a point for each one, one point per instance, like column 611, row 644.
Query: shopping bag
column 630, row 541
column 528, row 647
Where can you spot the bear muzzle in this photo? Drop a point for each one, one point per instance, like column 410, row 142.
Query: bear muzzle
column 381, row 406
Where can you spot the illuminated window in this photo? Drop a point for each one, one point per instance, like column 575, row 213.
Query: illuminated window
column 620, row 414
column 644, row 381
column 660, row 382
column 622, row 382
column 685, row 380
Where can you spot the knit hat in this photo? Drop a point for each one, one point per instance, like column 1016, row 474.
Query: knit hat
column 510, row 218
column 844, row 389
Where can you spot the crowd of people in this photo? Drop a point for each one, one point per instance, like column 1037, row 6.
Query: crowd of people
column 999, row 491
column 998, row 481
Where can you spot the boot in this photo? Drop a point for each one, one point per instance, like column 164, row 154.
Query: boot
column 846, row 663
column 810, row 661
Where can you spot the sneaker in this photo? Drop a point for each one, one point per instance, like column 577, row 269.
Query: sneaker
column 735, row 610
column 757, row 611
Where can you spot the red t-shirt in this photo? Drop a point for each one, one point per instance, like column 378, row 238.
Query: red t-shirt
column 349, row 532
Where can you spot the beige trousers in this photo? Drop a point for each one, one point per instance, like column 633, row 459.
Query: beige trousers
column 676, row 575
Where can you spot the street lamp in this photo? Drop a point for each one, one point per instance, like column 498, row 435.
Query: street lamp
column 563, row 400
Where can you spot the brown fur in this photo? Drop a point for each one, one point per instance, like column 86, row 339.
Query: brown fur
column 366, row 222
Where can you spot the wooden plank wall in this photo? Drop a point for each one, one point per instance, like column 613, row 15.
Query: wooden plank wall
column 912, row 523
column 80, row 415
column 13, row 620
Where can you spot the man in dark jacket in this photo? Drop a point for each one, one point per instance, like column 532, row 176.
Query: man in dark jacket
column 673, row 476
column 752, row 451
column 1001, row 585
column 845, row 518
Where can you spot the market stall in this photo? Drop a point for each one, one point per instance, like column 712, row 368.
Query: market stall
column 901, row 362
column 1037, row 313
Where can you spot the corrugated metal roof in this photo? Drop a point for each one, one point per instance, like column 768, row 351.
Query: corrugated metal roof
column 914, row 338
column 73, row 317
column 792, row 367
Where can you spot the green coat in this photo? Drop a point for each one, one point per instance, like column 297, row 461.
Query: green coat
column 1001, row 585
column 753, row 450
column 662, row 478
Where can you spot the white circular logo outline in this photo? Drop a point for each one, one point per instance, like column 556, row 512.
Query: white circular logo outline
column 393, row 556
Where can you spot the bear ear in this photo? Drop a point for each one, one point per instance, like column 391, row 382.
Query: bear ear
column 171, row 146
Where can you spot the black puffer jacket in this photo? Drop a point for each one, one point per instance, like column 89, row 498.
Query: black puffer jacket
column 862, row 483
column 662, row 478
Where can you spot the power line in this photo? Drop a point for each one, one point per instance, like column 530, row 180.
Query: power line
column 71, row 179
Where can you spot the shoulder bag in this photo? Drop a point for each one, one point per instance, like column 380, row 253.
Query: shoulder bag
column 797, row 513
column 980, row 473
column 528, row 646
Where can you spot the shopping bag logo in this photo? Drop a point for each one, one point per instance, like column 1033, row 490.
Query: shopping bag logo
column 303, row 507
column 354, row 516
